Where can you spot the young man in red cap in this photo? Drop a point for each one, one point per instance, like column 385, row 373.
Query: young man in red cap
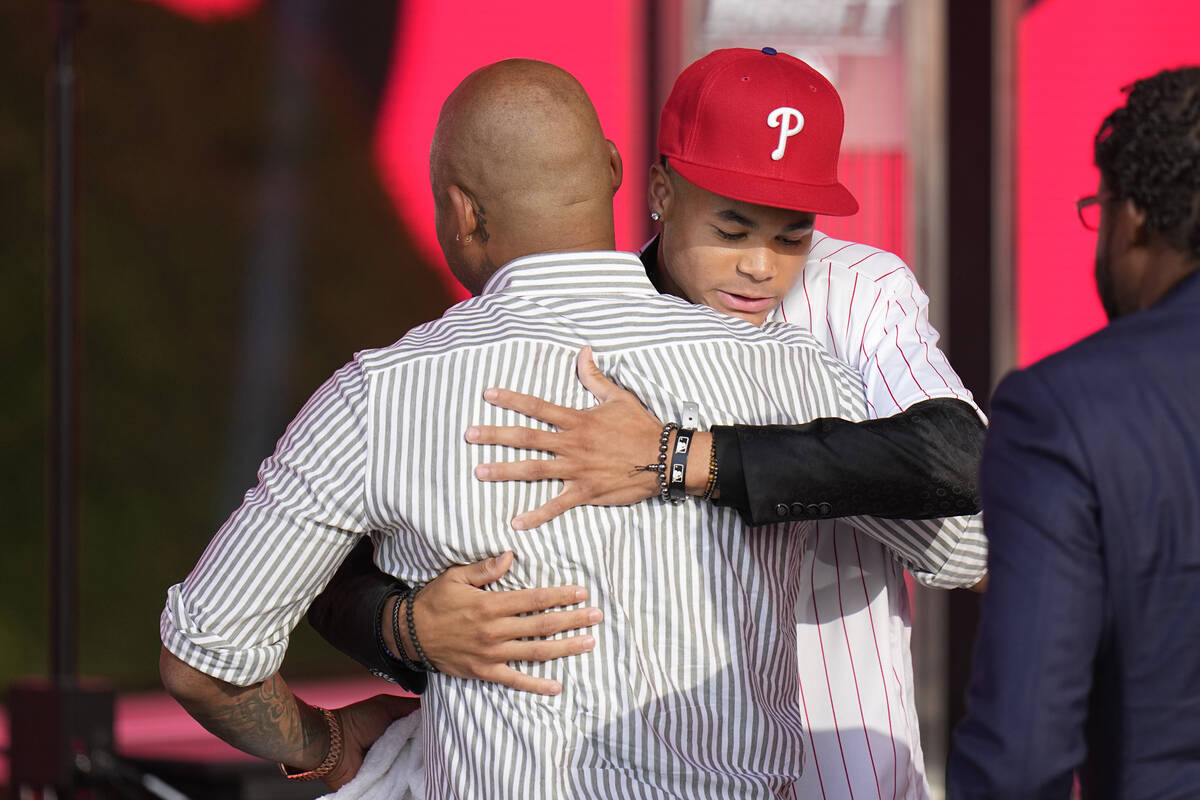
column 750, row 142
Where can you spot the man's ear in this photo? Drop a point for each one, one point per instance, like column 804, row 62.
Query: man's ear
column 660, row 193
column 1135, row 218
column 615, row 166
column 462, row 210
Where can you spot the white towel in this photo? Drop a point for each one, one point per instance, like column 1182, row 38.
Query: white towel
column 394, row 767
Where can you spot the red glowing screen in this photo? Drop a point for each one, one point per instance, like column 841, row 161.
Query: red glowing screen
column 440, row 43
column 1074, row 57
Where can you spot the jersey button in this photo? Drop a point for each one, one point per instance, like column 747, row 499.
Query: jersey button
column 826, row 509
column 781, row 510
column 797, row 509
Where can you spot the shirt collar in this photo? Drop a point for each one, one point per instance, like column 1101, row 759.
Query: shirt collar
column 562, row 274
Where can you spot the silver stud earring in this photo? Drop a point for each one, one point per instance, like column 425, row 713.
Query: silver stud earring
column 655, row 216
column 467, row 239
column 457, row 238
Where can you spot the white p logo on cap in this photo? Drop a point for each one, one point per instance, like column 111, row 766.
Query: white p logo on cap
column 790, row 122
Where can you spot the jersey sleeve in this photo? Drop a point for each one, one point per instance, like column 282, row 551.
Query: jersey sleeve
column 898, row 357
column 232, row 616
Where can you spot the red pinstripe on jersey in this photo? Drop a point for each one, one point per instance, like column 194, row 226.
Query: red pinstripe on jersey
column 812, row 743
column 828, row 684
column 850, row 656
column 886, row 274
column 879, row 660
column 850, row 312
column 912, row 772
column 864, row 258
column 886, row 385
column 924, row 341
column 835, row 252
column 912, row 374
column 828, row 321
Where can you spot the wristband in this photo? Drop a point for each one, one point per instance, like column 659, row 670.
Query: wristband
column 332, row 758
column 677, row 480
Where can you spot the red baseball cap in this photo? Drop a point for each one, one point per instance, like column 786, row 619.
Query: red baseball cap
column 758, row 126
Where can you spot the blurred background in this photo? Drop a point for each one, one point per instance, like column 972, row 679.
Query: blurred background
column 253, row 207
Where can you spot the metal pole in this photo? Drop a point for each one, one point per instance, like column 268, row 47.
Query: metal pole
column 63, row 495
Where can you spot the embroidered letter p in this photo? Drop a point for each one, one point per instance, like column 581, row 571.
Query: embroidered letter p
column 790, row 122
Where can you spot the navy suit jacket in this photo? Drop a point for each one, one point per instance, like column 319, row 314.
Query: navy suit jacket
column 1089, row 646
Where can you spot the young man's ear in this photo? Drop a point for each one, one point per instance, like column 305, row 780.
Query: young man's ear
column 462, row 209
column 660, row 194
column 615, row 166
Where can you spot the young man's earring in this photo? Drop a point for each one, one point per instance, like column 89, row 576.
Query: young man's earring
column 655, row 216
column 467, row 239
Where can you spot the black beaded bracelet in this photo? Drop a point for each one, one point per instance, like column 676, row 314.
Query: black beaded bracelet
column 677, row 481
column 405, row 597
column 412, row 630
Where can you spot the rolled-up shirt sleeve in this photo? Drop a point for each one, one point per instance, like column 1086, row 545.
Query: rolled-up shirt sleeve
column 947, row 553
column 232, row 616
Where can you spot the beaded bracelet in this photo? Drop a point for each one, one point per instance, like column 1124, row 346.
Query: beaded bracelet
column 664, row 488
column 412, row 630
column 332, row 758
column 712, row 473
column 405, row 597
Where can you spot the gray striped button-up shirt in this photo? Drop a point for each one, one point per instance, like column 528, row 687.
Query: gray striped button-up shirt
column 691, row 690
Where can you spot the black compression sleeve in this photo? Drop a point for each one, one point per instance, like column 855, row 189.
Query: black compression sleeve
column 347, row 613
column 919, row 464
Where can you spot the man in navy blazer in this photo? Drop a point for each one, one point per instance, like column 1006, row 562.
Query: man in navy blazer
column 1088, row 657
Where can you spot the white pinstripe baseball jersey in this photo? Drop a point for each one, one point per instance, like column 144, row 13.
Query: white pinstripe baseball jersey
column 691, row 689
column 853, row 621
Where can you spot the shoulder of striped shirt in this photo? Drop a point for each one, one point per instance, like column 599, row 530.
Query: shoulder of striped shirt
column 476, row 323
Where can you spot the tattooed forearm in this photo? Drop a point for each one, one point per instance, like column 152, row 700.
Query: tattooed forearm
column 266, row 719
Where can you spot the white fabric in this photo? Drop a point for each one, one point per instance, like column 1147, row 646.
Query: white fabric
column 393, row 768
column 853, row 623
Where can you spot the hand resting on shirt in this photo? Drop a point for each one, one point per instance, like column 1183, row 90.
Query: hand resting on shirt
column 596, row 450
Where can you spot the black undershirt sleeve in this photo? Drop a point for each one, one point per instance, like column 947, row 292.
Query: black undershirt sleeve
column 347, row 613
column 919, row 464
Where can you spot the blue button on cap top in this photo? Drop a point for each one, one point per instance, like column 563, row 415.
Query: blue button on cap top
column 771, row 51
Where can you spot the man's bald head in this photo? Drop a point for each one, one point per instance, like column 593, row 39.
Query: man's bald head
column 520, row 164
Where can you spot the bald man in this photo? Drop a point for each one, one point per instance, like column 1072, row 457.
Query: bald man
column 691, row 692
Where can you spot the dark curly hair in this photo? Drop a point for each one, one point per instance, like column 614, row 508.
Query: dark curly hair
column 1148, row 151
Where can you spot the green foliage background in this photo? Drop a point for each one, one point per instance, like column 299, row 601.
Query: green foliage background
column 173, row 131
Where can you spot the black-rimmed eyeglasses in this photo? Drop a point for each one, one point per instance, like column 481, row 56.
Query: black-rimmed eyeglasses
column 1089, row 209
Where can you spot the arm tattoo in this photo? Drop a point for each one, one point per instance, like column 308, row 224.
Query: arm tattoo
column 268, row 721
